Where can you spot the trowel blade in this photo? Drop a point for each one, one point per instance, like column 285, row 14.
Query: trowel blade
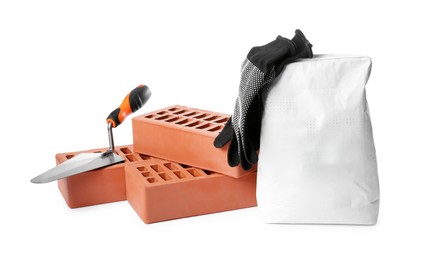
column 80, row 163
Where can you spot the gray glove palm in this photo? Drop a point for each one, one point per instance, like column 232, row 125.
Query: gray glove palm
column 262, row 65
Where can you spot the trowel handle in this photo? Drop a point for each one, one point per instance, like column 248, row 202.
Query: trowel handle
column 131, row 103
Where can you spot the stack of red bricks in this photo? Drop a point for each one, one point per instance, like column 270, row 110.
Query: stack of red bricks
column 171, row 171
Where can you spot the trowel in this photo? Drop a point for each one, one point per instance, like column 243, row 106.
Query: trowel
column 90, row 161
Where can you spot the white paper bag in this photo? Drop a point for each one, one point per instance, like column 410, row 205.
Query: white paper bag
column 317, row 160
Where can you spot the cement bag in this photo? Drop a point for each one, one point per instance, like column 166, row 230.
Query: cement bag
column 317, row 161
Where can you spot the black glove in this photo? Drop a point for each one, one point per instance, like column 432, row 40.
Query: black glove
column 262, row 65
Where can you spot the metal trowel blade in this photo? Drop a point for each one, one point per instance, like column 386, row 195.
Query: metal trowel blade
column 80, row 163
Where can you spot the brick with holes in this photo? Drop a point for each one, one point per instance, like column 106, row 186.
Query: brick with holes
column 98, row 186
column 184, row 135
column 159, row 190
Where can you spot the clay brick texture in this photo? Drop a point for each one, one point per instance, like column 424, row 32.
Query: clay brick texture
column 184, row 135
column 160, row 190
column 98, row 186
column 157, row 189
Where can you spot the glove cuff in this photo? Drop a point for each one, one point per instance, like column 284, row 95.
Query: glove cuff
column 304, row 47
column 266, row 56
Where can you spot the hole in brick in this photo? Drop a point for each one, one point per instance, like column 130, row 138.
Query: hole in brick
column 131, row 158
column 181, row 122
column 161, row 113
column 146, row 174
column 210, row 118
column 201, row 116
column 98, row 151
column 184, row 166
column 149, row 116
column 144, row 157
column 170, row 166
column 221, row 120
column 179, row 174
column 208, row 172
column 141, row 168
column 179, row 112
column 203, row 126
column 190, row 114
column 69, row 156
column 162, row 117
column 172, row 119
column 215, row 128
column 125, row 150
column 157, row 168
column 193, row 124
column 195, row 172
column 165, row 176
column 173, row 109
column 151, row 180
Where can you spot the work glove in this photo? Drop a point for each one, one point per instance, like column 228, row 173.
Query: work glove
column 262, row 65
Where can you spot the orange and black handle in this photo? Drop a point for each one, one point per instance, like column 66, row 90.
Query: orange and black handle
column 131, row 103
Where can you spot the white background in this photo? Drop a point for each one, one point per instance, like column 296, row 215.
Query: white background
column 65, row 66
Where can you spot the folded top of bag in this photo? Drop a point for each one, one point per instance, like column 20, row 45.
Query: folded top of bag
column 318, row 85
